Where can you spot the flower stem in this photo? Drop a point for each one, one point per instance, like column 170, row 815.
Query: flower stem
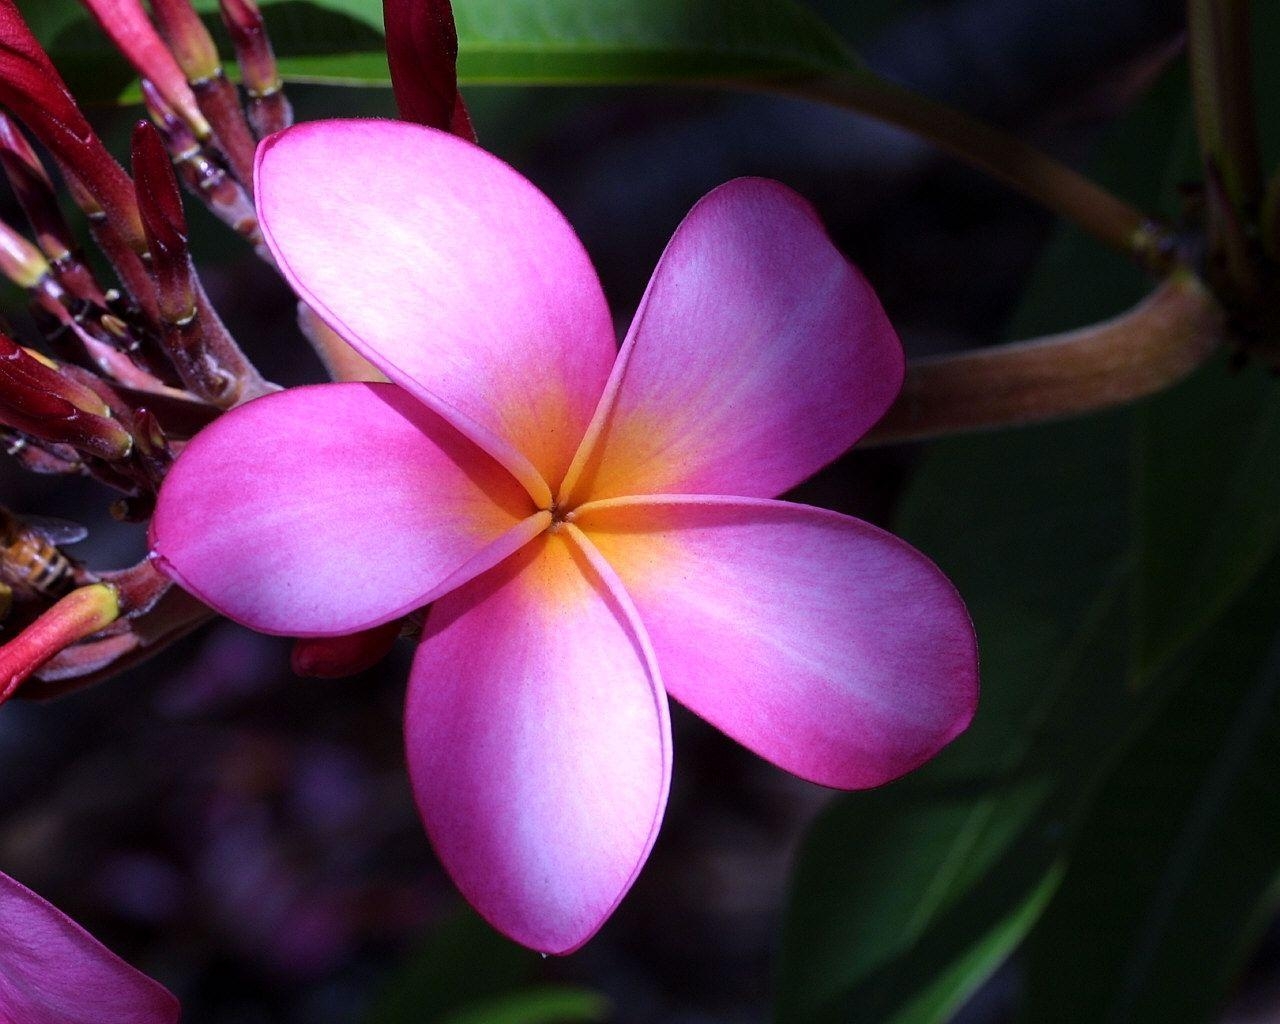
column 1151, row 347
column 1222, row 88
column 1019, row 165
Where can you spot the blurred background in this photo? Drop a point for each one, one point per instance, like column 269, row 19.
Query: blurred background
column 249, row 838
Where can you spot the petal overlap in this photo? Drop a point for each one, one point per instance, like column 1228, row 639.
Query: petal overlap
column 54, row 972
column 539, row 744
column 758, row 355
column 454, row 275
column 825, row 645
column 329, row 509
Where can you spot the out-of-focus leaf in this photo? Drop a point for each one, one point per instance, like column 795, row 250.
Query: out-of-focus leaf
column 905, row 899
column 1174, row 873
column 462, row 962
column 1096, row 557
column 559, row 1004
column 466, row 973
column 504, row 42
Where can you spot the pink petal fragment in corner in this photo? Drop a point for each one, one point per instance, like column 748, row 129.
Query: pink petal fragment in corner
column 326, row 510
column 54, row 972
column 539, row 744
column 758, row 355
column 825, row 645
column 447, row 269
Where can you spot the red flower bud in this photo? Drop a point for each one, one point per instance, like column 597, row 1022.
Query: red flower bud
column 422, row 51
column 33, row 91
column 332, row 657
column 192, row 46
column 128, row 26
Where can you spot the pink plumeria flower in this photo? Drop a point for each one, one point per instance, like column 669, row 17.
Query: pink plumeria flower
column 54, row 972
column 593, row 526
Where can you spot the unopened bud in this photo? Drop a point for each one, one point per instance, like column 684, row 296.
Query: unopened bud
column 74, row 618
column 332, row 657
column 38, row 401
column 165, row 224
column 20, row 261
column 37, row 372
column 192, row 46
column 128, row 26
column 269, row 110
column 34, row 191
column 422, row 53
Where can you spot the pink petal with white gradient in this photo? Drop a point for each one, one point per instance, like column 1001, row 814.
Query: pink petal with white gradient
column 825, row 645
column 54, row 972
column 758, row 355
column 450, row 272
column 327, row 510
column 539, row 744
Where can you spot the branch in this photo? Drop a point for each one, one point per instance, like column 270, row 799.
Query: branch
column 1146, row 350
column 1023, row 167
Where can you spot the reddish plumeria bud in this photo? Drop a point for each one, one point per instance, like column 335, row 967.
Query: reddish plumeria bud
column 164, row 222
column 207, row 359
column 422, row 52
column 20, row 261
column 32, row 90
column 35, row 399
column 41, row 373
column 34, row 191
column 79, row 615
column 40, row 457
column 131, row 30
column 253, row 49
column 188, row 39
column 219, row 102
column 203, row 176
column 269, row 110
column 332, row 657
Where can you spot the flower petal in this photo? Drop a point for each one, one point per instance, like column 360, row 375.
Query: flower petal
column 54, row 972
column 451, row 272
column 825, row 645
column 758, row 355
column 539, row 744
column 330, row 509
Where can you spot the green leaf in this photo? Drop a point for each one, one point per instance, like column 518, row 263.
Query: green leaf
column 905, row 899
column 466, row 973
column 1174, row 874
column 512, row 42
column 462, row 962
column 1098, row 558
column 558, row 1004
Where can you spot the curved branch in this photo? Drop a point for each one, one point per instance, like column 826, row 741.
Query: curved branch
column 1148, row 349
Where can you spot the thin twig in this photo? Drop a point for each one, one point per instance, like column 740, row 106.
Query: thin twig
column 1021, row 166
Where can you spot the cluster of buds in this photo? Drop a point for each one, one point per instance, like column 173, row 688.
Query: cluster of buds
column 136, row 367
column 131, row 368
